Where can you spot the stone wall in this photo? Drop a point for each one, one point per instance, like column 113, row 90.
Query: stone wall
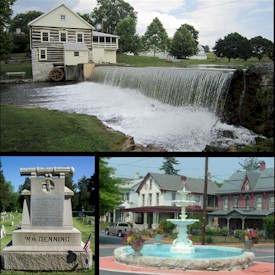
column 41, row 71
column 250, row 98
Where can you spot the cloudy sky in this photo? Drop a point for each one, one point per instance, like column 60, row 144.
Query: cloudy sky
column 220, row 168
column 213, row 19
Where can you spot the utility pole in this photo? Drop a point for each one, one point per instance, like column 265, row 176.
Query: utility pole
column 204, row 218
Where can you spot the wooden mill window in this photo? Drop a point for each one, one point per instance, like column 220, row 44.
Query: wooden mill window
column 45, row 36
column 42, row 54
column 79, row 37
column 63, row 36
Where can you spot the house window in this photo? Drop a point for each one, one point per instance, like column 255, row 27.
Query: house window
column 150, row 184
column 95, row 39
column 108, row 39
column 225, row 204
column 247, row 201
column 235, row 202
column 246, row 187
column 113, row 40
column 45, row 36
column 62, row 17
column 150, row 200
column 127, row 197
column 79, row 37
column 259, row 202
column 197, row 199
column 76, row 53
column 42, row 54
column 63, row 36
column 173, row 196
column 143, row 200
column 271, row 202
column 157, row 198
column 101, row 39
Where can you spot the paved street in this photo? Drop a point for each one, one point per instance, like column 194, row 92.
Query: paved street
column 107, row 245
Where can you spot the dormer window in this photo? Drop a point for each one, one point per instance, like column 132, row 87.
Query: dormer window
column 246, row 187
column 62, row 17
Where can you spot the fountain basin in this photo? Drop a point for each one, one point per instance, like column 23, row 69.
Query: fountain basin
column 204, row 258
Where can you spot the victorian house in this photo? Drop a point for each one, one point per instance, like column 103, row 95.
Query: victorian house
column 245, row 199
column 150, row 199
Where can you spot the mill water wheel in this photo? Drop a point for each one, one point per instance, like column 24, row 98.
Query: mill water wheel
column 57, row 74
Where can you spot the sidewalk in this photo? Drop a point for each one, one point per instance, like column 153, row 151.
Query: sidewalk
column 109, row 264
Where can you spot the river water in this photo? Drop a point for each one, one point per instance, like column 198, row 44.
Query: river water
column 186, row 129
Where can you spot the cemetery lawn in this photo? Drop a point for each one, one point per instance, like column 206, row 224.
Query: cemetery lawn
column 40, row 130
column 85, row 229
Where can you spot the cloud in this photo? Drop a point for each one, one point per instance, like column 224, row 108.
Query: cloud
column 213, row 19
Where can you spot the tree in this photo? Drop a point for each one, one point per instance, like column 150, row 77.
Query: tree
column 206, row 48
column 192, row 30
column 251, row 163
column 25, row 185
column 4, row 191
column 110, row 195
column 87, row 17
column 183, row 44
column 126, row 30
column 21, row 40
column 155, row 37
column 84, row 194
column 233, row 46
column 260, row 46
column 168, row 167
column 5, row 37
column 109, row 12
column 72, row 186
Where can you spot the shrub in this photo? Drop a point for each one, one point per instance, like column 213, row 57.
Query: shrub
column 269, row 226
column 209, row 239
column 167, row 226
column 224, row 231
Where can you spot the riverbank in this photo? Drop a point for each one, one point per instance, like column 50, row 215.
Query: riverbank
column 32, row 129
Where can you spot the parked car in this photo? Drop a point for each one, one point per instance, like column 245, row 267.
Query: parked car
column 118, row 228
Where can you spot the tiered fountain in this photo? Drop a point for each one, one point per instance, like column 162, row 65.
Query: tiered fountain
column 183, row 244
column 182, row 255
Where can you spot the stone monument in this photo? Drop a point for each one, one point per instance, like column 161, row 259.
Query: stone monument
column 47, row 240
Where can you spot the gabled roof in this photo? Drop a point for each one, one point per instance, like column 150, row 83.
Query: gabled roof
column 173, row 183
column 259, row 181
column 42, row 20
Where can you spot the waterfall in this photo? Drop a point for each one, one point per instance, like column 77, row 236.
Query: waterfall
column 199, row 88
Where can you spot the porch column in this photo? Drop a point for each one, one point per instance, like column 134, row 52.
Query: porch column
column 145, row 224
column 243, row 219
column 228, row 223
column 114, row 215
column 155, row 218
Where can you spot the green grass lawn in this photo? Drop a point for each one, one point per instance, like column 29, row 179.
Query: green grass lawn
column 39, row 130
column 85, row 229
column 143, row 61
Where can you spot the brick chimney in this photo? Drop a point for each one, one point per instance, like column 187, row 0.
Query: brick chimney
column 262, row 165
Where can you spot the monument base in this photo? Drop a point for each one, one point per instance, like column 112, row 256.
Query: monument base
column 50, row 259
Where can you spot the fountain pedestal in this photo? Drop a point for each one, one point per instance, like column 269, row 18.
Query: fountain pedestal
column 182, row 244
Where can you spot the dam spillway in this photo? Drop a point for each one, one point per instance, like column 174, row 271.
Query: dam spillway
column 199, row 88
